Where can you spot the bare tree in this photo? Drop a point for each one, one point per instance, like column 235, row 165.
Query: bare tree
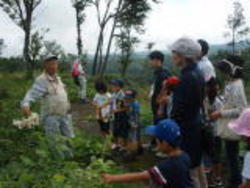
column 79, row 6
column 236, row 22
column 103, row 20
column 21, row 12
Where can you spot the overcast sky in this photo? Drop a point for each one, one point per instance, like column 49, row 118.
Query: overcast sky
column 165, row 23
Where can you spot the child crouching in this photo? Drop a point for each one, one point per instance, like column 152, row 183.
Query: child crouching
column 174, row 171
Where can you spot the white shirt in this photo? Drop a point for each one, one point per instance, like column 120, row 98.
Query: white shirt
column 207, row 68
column 246, row 167
column 100, row 100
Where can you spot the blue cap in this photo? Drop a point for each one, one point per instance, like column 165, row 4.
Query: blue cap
column 117, row 82
column 166, row 130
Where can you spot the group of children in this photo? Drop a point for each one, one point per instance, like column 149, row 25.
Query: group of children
column 118, row 113
column 226, row 121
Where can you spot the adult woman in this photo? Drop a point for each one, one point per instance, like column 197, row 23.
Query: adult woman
column 188, row 99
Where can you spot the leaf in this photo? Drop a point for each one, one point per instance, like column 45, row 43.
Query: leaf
column 59, row 178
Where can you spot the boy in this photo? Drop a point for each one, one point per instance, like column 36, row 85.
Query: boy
column 174, row 171
column 133, row 117
column 156, row 60
column 120, row 124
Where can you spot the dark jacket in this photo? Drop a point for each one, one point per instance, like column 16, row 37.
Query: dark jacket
column 188, row 96
column 160, row 75
column 187, row 106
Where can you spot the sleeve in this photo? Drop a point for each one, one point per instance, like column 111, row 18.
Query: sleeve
column 37, row 91
column 246, row 167
column 240, row 102
column 157, row 176
column 95, row 98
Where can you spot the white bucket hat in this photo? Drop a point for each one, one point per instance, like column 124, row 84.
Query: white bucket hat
column 187, row 47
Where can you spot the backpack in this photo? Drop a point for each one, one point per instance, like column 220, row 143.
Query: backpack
column 75, row 71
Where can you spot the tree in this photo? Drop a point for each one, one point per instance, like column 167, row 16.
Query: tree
column 79, row 6
column 126, row 42
column 2, row 46
column 52, row 48
column 236, row 22
column 130, row 21
column 150, row 46
column 113, row 11
column 36, row 47
column 21, row 12
column 103, row 20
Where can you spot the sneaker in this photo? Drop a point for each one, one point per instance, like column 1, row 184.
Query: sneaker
column 146, row 146
column 161, row 155
column 219, row 182
column 114, row 146
column 155, row 149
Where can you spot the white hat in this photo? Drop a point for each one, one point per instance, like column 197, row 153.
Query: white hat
column 187, row 47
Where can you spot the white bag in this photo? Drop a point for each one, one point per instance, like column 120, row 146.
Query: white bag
column 225, row 132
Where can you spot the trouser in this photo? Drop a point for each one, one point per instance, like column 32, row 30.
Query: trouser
column 82, row 87
column 199, row 177
column 57, row 130
column 232, row 151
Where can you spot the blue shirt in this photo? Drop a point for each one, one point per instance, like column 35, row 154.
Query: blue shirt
column 134, row 111
column 174, row 172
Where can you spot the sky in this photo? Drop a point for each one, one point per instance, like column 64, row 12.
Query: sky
column 166, row 22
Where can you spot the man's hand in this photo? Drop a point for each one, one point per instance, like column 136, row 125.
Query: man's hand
column 107, row 178
column 215, row 116
column 26, row 110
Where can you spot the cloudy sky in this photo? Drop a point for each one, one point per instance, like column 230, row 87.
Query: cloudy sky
column 166, row 22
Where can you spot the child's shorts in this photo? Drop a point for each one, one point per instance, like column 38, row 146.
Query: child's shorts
column 104, row 126
column 121, row 126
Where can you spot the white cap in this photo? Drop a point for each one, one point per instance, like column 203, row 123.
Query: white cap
column 187, row 47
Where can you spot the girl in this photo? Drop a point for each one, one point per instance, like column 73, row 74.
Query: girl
column 101, row 102
column 212, row 143
column 241, row 127
column 234, row 102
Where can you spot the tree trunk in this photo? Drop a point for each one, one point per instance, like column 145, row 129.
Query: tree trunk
column 103, row 68
column 233, row 42
column 97, row 52
column 100, row 56
column 79, row 39
column 27, row 31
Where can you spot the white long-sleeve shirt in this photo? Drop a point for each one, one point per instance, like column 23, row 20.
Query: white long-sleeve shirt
column 234, row 99
column 207, row 68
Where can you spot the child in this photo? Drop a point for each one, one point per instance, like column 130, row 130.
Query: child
column 164, row 98
column 119, row 110
column 101, row 102
column 174, row 171
column 134, row 117
column 241, row 127
column 234, row 102
column 212, row 143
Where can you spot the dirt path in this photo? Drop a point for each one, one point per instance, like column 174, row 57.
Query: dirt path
column 84, row 117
